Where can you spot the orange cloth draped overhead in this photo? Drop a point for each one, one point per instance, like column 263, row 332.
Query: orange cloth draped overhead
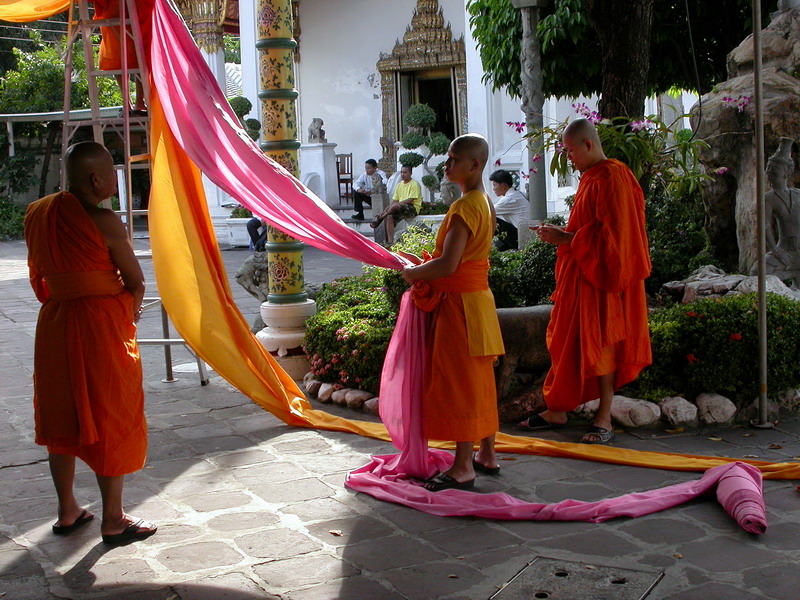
column 600, row 302
column 459, row 397
column 96, row 414
column 23, row 11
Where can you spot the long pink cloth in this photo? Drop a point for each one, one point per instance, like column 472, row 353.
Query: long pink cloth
column 208, row 130
column 397, row 477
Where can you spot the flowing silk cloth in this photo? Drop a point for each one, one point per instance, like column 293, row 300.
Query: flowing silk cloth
column 88, row 399
column 599, row 300
column 193, row 125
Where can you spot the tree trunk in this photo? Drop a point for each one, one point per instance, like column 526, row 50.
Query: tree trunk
column 623, row 28
column 53, row 129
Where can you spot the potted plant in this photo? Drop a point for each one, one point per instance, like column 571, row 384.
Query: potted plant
column 420, row 119
column 236, row 225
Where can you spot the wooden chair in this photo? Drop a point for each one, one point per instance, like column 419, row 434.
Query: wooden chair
column 344, row 168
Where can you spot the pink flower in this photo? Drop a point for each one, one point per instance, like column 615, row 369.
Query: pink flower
column 537, row 158
column 497, row 163
column 721, row 170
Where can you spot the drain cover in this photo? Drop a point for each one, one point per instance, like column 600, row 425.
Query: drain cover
column 552, row 579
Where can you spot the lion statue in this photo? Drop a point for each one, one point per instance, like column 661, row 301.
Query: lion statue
column 316, row 134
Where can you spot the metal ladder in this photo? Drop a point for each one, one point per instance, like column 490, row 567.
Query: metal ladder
column 102, row 121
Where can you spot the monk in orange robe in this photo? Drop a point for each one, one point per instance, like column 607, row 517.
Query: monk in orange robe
column 459, row 397
column 88, row 398
column 110, row 54
column 598, row 335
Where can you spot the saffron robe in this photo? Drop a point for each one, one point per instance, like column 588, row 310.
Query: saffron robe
column 110, row 54
column 599, row 298
column 88, row 398
column 459, row 394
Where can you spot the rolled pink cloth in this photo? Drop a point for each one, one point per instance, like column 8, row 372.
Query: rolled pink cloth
column 739, row 491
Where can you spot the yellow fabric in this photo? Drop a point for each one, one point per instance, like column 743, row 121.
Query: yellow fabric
column 483, row 328
column 23, row 11
column 187, row 260
column 404, row 191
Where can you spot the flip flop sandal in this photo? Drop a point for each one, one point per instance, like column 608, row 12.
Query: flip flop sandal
column 440, row 482
column 375, row 223
column 82, row 519
column 604, row 435
column 481, row 468
column 139, row 530
column 539, row 423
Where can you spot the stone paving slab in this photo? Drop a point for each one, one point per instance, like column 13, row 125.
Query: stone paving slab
column 250, row 508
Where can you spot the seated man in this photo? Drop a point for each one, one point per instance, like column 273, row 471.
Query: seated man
column 257, row 240
column 362, row 187
column 406, row 204
column 511, row 206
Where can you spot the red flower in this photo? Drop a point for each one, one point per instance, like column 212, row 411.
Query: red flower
column 691, row 313
column 692, row 358
column 735, row 336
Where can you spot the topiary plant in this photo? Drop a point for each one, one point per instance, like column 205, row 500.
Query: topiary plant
column 241, row 106
column 410, row 159
column 420, row 118
column 253, row 127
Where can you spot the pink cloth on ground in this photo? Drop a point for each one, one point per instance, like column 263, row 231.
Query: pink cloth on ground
column 397, row 477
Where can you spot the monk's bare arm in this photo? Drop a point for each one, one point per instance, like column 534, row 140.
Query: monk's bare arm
column 447, row 263
column 552, row 234
column 121, row 251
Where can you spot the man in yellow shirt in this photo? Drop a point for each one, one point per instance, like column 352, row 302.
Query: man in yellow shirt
column 406, row 204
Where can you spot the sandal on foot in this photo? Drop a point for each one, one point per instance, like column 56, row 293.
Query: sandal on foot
column 82, row 519
column 134, row 532
column 481, row 468
column 376, row 222
column 539, row 423
column 604, row 435
column 440, row 482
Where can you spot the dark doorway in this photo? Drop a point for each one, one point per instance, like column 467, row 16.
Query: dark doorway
column 438, row 94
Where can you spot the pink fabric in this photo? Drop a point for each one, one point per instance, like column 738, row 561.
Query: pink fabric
column 208, row 130
column 739, row 492
column 398, row 477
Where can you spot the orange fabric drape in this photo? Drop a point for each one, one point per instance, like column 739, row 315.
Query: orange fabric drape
column 23, row 11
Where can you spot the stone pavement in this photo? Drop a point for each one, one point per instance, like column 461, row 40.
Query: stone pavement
column 250, row 508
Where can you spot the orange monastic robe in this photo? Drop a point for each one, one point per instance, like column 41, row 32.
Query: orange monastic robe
column 459, row 395
column 110, row 45
column 88, row 399
column 599, row 299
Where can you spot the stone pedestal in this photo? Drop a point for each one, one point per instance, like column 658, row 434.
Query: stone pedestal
column 320, row 159
column 380, row 202
column 285, row 325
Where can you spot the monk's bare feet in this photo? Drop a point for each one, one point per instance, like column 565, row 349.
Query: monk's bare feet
column 127, row 529
column 68, row 517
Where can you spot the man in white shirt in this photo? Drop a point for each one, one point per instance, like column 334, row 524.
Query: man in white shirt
column 511, row 207
column 362, row 187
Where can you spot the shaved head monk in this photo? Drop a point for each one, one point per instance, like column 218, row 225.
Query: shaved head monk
column 88, row 399
column 598, row 336
column 459, row 397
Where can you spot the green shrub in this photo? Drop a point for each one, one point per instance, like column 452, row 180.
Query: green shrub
column 413, row 139
column 11, row 217
column 240, row 212
column 433, row 208
column 438, row 143
column 410, row 159
column 711, row 346
column 420, row 115
column 678, row 242
column 430, row 181
column 253, row 127
column 346, row 340
column 240, row 105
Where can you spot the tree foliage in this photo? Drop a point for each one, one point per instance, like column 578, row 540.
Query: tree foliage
column 571, row 47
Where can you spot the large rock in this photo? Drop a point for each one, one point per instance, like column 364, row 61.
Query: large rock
column 325, row 392
column 715, row 409
column 634, row 413
column 712, row 282
column 730, row 199
column 355, row 399
column 678, row 411
column 312, row 386
column 523, row 331
column 371, row 406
